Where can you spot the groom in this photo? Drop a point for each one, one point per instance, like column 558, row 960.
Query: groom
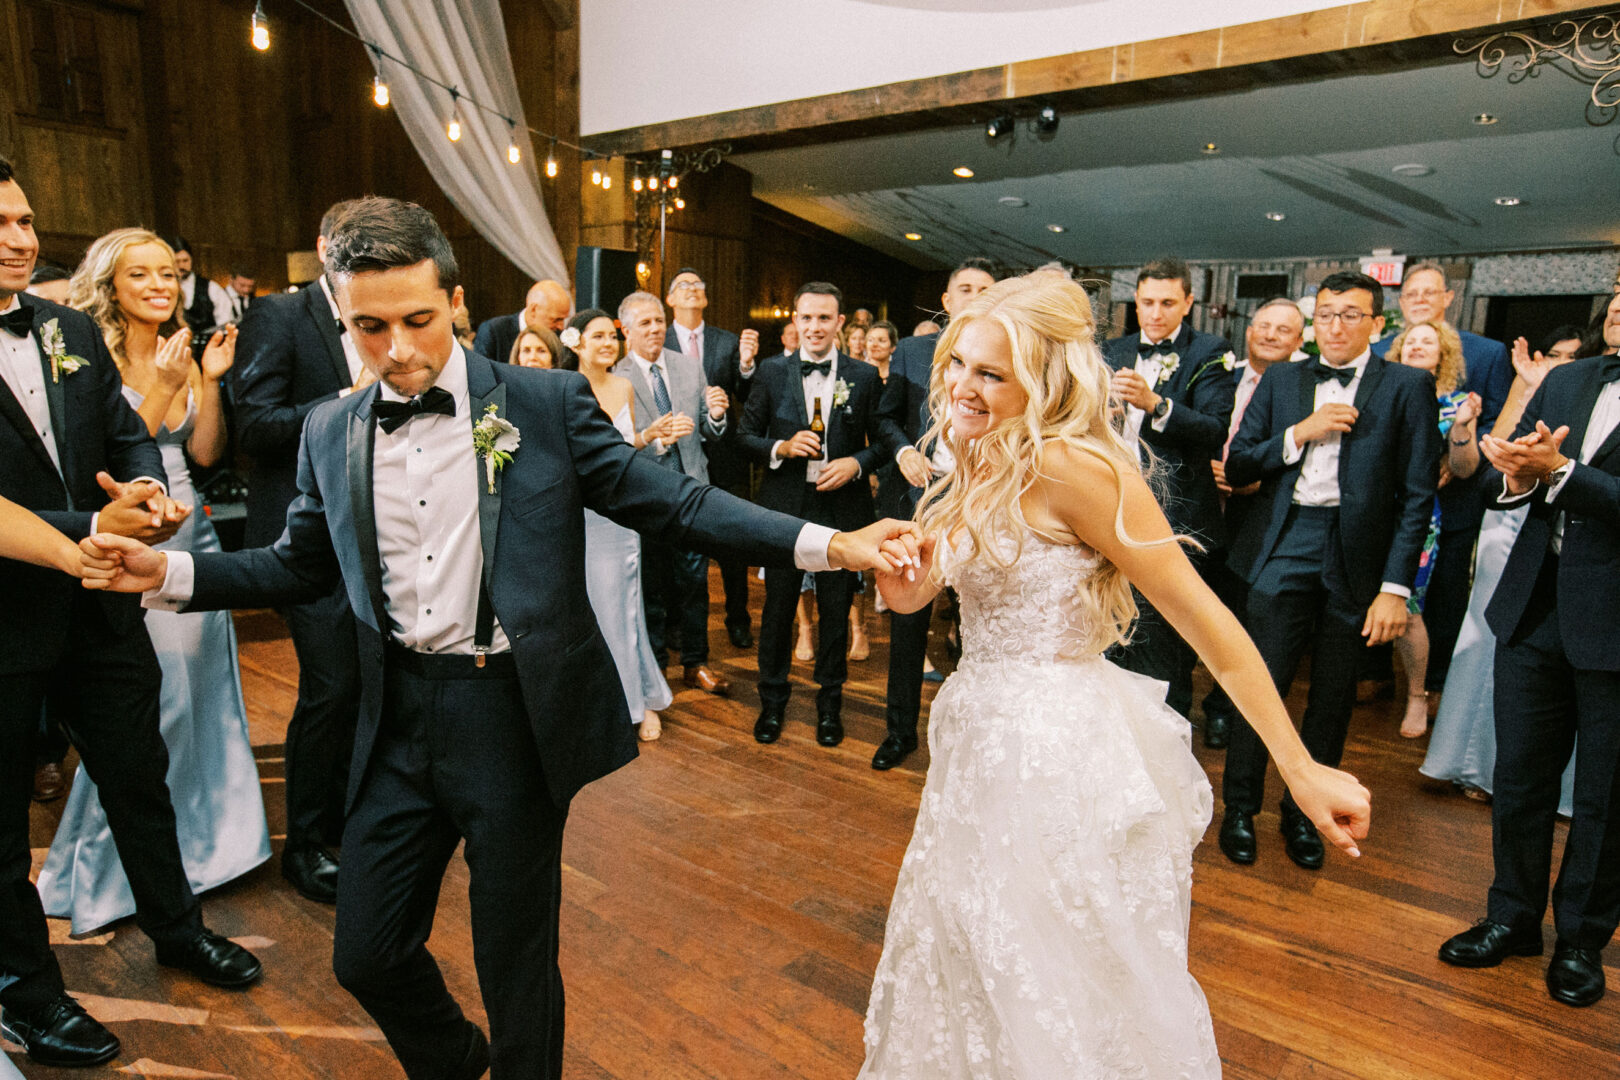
column 489, row 696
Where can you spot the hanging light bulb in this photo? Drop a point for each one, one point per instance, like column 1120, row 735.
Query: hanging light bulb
column 635, row 184
column 607, row 181
column 674, row 182
column 452, row 127
column 680, row 204
column 641, row 269
column 261, row 28
column 513, row 154
column 596, row 175
column 652, row 183
column 551, row 159
column 379, row 92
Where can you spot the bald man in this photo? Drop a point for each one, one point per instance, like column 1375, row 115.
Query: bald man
column 548, row 304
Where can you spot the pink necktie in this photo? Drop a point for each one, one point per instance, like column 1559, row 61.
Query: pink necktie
column 694, row 346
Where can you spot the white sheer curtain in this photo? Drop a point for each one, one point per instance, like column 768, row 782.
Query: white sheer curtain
column 463, row 44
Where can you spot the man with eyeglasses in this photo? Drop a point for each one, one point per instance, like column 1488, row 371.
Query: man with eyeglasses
column 1346, row 450
column 1427, row 296
column 728, row 362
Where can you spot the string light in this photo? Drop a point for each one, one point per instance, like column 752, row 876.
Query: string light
column 452, row 128
column 379, row 92
column 680, row 204
column 673, row 182
column 513, row 154
column 551, row 159
column 596, row 170
column 261, row 28
column 652, row 183
column 607, row 181
column 635, row 184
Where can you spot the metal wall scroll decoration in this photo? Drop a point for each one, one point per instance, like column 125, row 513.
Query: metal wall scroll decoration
column 656, row 184
column 1587, row 50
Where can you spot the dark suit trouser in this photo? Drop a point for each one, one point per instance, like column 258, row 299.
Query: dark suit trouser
column 908, row 647
column 834, row 589
column 1445, row 604
column 1301, row 599
column 675, row 598
column 455, row 758
column 1546, row 708
column 1157, row 651
column 107, row 685
column 320, row 735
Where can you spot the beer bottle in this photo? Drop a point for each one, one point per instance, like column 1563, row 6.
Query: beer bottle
column 820, row 428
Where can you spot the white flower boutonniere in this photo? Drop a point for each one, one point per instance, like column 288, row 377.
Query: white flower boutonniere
column 840, row 394
column 496, row 440
column 62, row 361
column 1167, row 367
column 1228, row 361
column 570, row 337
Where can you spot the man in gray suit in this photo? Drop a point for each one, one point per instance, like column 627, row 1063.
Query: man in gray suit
column 674, row 583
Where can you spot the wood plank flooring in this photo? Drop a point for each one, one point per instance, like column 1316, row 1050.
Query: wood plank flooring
column 725, row 904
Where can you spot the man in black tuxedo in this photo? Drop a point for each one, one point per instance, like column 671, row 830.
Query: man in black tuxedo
column 1175, row 385
column 904, row 417
column 198, row 295
column 814, row 477
column 489, row 696
column 1554, row 614
column 1346, row 450
column 65, row 432
column 728, row 362
column 547, row 304
column 294, row 353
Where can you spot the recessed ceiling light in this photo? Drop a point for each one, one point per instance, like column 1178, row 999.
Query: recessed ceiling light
column 963, row 171
column 1414, row 169
column 1275, row 215
column 1485, row 119
column 1210, row 148
column 1508, row 200
column 1012, row 201
column 913, row 236
column 1056, row 228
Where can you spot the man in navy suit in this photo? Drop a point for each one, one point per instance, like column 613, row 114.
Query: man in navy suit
column 65, row 433
column 547, row 304
column 1176, row 385
column 1425, row 296
column 904, row 417
column 728, row 362
column 1557, row 678
column 294, row 353
column 820, row 478
column 448, row 500
column 1347, row 451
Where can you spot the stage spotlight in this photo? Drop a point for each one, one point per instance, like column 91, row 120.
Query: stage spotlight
column 995, row 129
column 1046, row 122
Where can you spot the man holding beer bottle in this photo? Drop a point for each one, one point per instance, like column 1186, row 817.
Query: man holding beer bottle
column 812, row 418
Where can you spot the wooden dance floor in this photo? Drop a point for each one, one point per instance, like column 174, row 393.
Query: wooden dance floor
column 724, row 906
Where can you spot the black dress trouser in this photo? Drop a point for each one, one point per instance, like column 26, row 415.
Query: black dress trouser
column 455, row 759
column 107, row 686
column 908, row 647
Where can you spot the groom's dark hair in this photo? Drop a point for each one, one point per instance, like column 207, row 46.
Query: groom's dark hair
column 387, row 234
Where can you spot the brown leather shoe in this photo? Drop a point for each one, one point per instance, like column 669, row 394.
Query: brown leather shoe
column 700, row 677
column 49, row 784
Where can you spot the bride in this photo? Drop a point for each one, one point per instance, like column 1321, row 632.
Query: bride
column 1039, row 926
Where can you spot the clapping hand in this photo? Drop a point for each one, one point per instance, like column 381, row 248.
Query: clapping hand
column 173, row 360
column 1532, row 369
column 680, row 426
column 717, row 401
column 1468, row 410
column 1525, row 460
column 1336, row 802
column 219, row 354
column 139, row 509
column 120, row 564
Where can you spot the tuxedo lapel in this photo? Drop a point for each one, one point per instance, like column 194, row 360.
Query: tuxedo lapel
column 361, row 448
column 14, row 413
column 795, row 387
column 326, row 326
column 646, row 408
column 483, row 391
column 1581, row 415
column 1370, row 378
column 1306, row 401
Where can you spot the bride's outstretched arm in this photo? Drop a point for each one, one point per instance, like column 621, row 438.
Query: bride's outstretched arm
column 24, row 536
column 1085, row 496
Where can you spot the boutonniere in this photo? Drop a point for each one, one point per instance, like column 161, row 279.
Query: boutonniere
column 840, row 394
column 496, row 440
column 570, row 337
column 62, row 361
column 1226, row 362
column 1167, row 367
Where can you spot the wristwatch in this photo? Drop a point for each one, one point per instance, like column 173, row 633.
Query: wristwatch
column 1556, row 477
column 1161, row 409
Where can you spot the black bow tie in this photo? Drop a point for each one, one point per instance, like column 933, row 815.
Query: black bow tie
column 1609, row 367
column 393, row 415
column 1323, row 373
column 811, row 367
column 19, row 323
column 1163, row 348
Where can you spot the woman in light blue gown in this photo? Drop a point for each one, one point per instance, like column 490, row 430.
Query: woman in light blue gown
column 612, row 552
column 129, row 285
column 1462, row 747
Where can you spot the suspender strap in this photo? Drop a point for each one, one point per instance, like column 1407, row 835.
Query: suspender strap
column 484, row 630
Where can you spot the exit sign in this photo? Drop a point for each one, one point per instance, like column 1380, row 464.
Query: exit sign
column 1384, row 271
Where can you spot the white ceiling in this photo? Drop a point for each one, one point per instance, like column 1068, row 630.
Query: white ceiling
column 1129, row 183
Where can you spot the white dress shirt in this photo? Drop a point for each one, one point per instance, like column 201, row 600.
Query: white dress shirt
column 351, row 352
column 1151, row 368
column 425, row 479
column 229, row 305
column 817, row 387
column 1605, row 418
column 1318, row 483
column 24, row 372
column 691, row 340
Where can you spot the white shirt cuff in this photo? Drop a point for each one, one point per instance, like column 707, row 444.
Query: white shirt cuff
column 1402, row 591
column 163, row 484
column 776, row 460
column 1553, row 492
column 1291, row 449
column 810, row 550
column 95, row 519
column 1508, row 498
column 1159, row 422
column 178, row 583
column 747, row 370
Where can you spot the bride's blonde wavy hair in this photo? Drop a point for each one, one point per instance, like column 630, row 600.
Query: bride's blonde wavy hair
column 1048, row 320
column 91, row 288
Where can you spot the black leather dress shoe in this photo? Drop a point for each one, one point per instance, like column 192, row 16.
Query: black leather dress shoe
column 313, row 871
column 1488, row 943
column 476, row 1063
column 741, row 637
column 60, row 1033
column 1217, row 730
column 768, row 728
column 1237, row 836
column 829, row 728
column 1301, row 840
column 215, row 960
column 1575, row 976
column 891, row 752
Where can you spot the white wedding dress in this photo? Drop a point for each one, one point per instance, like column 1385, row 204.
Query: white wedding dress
column 1039, row 927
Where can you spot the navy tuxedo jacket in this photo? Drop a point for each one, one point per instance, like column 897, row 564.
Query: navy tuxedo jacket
column 775, row 411
column 95, row 430
column 495, row 337
column 1388, row 467
column 1202, row 389
column 533, row 531
column 1589, row 563
column 903, row 415
column 722, row 367
column 289, row 360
